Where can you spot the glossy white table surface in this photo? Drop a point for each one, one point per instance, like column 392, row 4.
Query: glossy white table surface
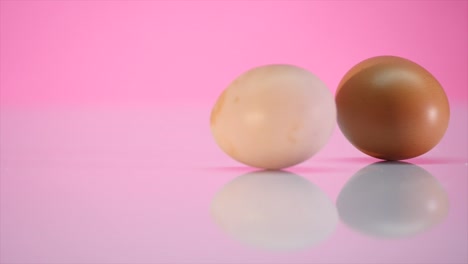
column 149, row 185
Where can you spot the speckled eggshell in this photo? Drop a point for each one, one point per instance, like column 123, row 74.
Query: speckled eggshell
column 273, row 116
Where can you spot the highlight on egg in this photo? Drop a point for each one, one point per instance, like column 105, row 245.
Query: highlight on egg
column 392, row 108
column 273, row 116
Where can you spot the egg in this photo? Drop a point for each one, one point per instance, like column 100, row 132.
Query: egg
column 392, row 200
column 391, row 108
column 273, row 116
column 274, row 210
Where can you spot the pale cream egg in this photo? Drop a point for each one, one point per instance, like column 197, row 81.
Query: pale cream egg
column 274, row 116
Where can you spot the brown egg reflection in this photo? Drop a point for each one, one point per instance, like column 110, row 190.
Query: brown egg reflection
column 391, row 200
column 391, row 108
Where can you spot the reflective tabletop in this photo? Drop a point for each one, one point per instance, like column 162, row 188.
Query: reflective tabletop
column 149, row 185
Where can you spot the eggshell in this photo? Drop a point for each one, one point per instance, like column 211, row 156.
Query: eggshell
column 273, row 116
column 391, row 108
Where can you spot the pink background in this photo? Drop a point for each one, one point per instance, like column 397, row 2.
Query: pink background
column 106, row 154
column 171, row 52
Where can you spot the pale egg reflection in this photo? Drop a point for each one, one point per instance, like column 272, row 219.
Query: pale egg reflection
column 274, row 210
column 392, row 200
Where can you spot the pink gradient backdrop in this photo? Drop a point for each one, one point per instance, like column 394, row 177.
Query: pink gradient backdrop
column 88, row 177
column 170, row 52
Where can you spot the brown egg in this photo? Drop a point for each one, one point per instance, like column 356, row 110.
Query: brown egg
column 391, row 108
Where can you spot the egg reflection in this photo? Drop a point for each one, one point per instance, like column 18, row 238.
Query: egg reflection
column 392, row 199
column 274, row 210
